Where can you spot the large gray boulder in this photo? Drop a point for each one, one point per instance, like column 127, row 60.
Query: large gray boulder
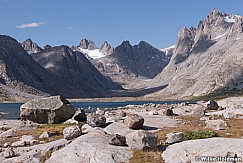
column 93, row 147
column 49, row 110
column 134, row 121
column 190, row 151
column 141, row 140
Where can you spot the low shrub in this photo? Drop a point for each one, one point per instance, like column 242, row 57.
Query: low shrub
column 199, row 134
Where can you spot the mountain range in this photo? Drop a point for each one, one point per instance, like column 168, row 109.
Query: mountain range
column 206, row 60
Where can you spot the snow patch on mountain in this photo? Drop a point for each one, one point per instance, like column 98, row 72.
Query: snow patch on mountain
column 168, row 50
column 95, row 54
column 229, row 20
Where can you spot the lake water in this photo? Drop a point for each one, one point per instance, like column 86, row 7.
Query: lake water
column 12, row 109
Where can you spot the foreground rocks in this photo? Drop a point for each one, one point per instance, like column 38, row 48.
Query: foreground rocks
column 93, row 147
column 112, row 140
column 189, row 151
column 49, row 110
column 32, row 154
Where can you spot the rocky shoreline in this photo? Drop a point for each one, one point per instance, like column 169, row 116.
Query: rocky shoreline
column 114, row 136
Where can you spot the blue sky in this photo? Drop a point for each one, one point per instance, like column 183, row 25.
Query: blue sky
column 57, row 22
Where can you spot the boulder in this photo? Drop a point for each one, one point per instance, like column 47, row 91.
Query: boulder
column 188, row 151
column 8, row 153
column 96, row 120
column 174, row 137
column 218, row 124
column 117, row 140
column 134, row 121
column 166, row 112
column 117, row 128
column 139, row 140
column 93, row 147
column 213, row 105
column 54, row 109
column 80, row 116
column 190, row 110
column 71, row 132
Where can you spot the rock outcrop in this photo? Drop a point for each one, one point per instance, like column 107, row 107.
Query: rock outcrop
column 93, row 147
column 193, row 150
column 47, row 110
column 106, row 48
column 87, row 44
column 30, row 47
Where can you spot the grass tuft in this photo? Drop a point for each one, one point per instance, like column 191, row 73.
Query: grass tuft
column 200, row 134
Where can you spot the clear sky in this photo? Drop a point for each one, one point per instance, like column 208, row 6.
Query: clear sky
column 57, row 22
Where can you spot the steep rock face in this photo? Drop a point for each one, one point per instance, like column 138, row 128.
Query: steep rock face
column 128, row 63
column 87, row 44
column 106, row 48
column 74, row 69
column 206, row 59
column 20, row 75
column 30, row 47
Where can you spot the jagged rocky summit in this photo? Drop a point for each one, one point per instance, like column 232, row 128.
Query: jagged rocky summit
column 30, row 47
column 206, row 60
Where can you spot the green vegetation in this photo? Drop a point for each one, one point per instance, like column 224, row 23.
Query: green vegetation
column 200, row 134
column 5, row 128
